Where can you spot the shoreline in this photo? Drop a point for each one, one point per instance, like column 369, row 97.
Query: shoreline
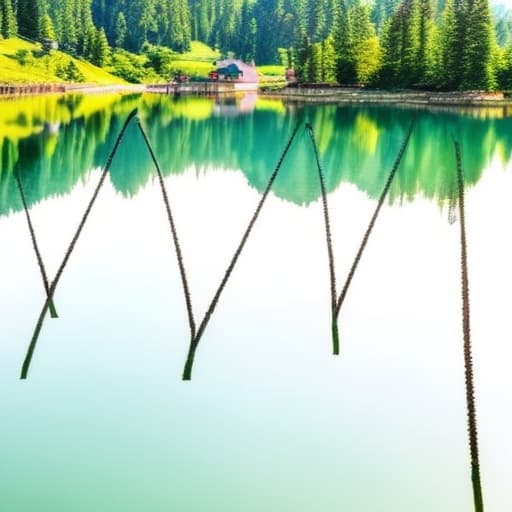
column 407, row 97
column 300, row 95
column 23, row 90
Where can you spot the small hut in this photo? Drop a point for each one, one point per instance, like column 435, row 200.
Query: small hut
column 235, row 70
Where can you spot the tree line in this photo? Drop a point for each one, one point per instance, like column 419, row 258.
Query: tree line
column 432, row 44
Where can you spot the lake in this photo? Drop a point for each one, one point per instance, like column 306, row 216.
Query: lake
column 271, row 420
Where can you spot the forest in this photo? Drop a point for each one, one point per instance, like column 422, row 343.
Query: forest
column 422, row 44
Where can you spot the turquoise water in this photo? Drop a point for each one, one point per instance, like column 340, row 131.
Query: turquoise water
column 271, row 420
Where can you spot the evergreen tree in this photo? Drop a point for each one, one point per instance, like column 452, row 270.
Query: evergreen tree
column 409, row 72
column 328, row 62
column 8, row 25
column 391, row 52
column 47, row 30
column 369, row 60
column 401, row 46
column 478, row 72
column 247, row 32
column 65, row 27
column 364, row 42
column 315, row 64
column 343, row 41
column 382, row 10
column 101, row 51
column 29, row 17
column 505, row 73
column 447, row 67
column 120, row 30
column 85, row 29
column 426, row 41
column 318, row 20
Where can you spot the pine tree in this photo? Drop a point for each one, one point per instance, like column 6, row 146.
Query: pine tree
column 391, row 52
column 478, row 72
column 343, row 41
column 47, row 30
column 328, row 62
column 447, row 72
column 101, row 51
column 401, row 44
column 318, row 20
column 247, row 32
column 85, row 29
column 65, row 27
column 369, row 60
column 365, row 43
column 29, row 16
column 120, row 30
column 426, row 42
column 409, row 73
column 8, row 25
column 315, row 64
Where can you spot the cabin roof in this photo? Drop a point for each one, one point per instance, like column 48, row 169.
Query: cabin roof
column 249, row 73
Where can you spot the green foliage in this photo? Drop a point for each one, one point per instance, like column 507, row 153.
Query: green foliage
column 477, row 47
column 8, row 24
column 159, row 58
column 100, row 54
column 446, row 44
column 29, row 16
column 24, row 62
column 344, row 44
column 128, row 66
column 70, row 72
column 271, row 70
column 24, row 56
column 317, row 61
column 121, row 29
column 47, row 30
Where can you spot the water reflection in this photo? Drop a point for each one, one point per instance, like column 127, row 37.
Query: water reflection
column 55, row 141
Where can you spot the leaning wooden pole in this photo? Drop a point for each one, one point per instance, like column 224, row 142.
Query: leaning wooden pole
column 330, row 252
column 373, row 220
column 189, row 363
column 468, row 359
column 39, row 324
column 35, row 245
column 174, row 231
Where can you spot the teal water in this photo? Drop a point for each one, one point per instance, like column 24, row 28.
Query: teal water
column 271, row 420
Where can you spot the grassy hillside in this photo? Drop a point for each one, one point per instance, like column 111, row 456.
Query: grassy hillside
column 23, row 62
column 198, row 62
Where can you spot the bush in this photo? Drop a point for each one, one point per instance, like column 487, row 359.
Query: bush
column 24, row 56
column 69, row 72
column 128, row 66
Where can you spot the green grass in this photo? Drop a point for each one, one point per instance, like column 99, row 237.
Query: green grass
column 192, row 68
column 199, row 52
column 271, row 70
column 198, row 62
column 39, row 68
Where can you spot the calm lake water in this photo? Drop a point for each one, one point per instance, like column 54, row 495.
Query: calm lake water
column 271, row 420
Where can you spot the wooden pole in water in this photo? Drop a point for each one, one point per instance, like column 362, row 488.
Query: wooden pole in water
column 42, row 269
column 35, row 336
column 373, row 219
column 330, row 253
column 187, row 371
column 174, row 232
column 468, row 358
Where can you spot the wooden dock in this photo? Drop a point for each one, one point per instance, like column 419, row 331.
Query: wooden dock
column 202, row 88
